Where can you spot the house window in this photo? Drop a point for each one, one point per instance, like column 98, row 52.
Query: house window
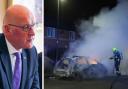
column 51, row 32
column 71, row 35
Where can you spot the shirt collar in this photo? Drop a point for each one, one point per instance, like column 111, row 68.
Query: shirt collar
column 11, row 49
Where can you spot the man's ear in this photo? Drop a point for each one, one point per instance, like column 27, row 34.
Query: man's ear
column 6, row 29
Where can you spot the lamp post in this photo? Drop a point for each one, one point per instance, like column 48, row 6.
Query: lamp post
column 58, row 26
column 58, row 11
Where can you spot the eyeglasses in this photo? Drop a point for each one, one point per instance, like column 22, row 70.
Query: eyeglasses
column 25, row 28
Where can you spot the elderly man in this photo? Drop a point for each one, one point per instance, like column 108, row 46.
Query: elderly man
column 18, row 56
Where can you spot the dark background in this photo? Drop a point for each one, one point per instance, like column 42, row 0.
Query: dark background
column 72, row 11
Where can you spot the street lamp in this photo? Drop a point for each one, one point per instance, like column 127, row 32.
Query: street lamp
column 58, row 11
column 58, row 25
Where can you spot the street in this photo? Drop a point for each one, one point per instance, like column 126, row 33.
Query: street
column 119, row 83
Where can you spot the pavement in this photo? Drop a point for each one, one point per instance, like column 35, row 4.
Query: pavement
column 112, row 82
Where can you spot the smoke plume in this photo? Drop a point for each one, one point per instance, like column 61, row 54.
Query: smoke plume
column 103, row 32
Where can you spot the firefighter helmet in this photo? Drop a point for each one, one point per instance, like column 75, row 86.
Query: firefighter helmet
column 114, row 49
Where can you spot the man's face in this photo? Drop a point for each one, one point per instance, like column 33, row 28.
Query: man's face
column 21, row 35
column 19, row 27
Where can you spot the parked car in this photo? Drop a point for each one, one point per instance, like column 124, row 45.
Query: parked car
column 79, row 67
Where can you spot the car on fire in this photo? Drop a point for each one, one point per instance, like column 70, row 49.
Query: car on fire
column 79, row 67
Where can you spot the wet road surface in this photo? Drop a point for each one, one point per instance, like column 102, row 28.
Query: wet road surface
column 105, row 83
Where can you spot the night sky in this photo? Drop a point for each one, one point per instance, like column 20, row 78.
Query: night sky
column 72, row 11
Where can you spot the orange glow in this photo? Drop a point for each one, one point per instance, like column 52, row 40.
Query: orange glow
column 87, row 60
column 92, row 62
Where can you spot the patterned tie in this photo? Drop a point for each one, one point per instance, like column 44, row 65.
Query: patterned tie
column 17, row 71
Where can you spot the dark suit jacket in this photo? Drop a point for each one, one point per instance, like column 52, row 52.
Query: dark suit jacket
column 29, row 79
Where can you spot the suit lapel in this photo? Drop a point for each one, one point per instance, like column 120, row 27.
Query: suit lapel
column 5, row 59
column 7, row 66
column 24, row 69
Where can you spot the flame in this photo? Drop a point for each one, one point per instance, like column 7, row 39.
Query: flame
column 84, row 60
column 92, row 62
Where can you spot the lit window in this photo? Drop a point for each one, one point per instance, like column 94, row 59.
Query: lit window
column 51, row 32
column 71, row 35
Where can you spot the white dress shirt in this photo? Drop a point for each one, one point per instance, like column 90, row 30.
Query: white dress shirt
column 12, row 50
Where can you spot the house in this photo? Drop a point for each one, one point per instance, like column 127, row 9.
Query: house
column 56, row 41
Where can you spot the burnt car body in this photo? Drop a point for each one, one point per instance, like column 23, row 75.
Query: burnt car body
column 79, row 67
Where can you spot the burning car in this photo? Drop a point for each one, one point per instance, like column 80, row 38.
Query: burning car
column 64, row 67
column 79, row 67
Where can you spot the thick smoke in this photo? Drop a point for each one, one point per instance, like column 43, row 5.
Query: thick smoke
column 103, row 32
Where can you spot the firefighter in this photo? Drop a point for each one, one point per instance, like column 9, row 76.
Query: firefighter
column 117, row 56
